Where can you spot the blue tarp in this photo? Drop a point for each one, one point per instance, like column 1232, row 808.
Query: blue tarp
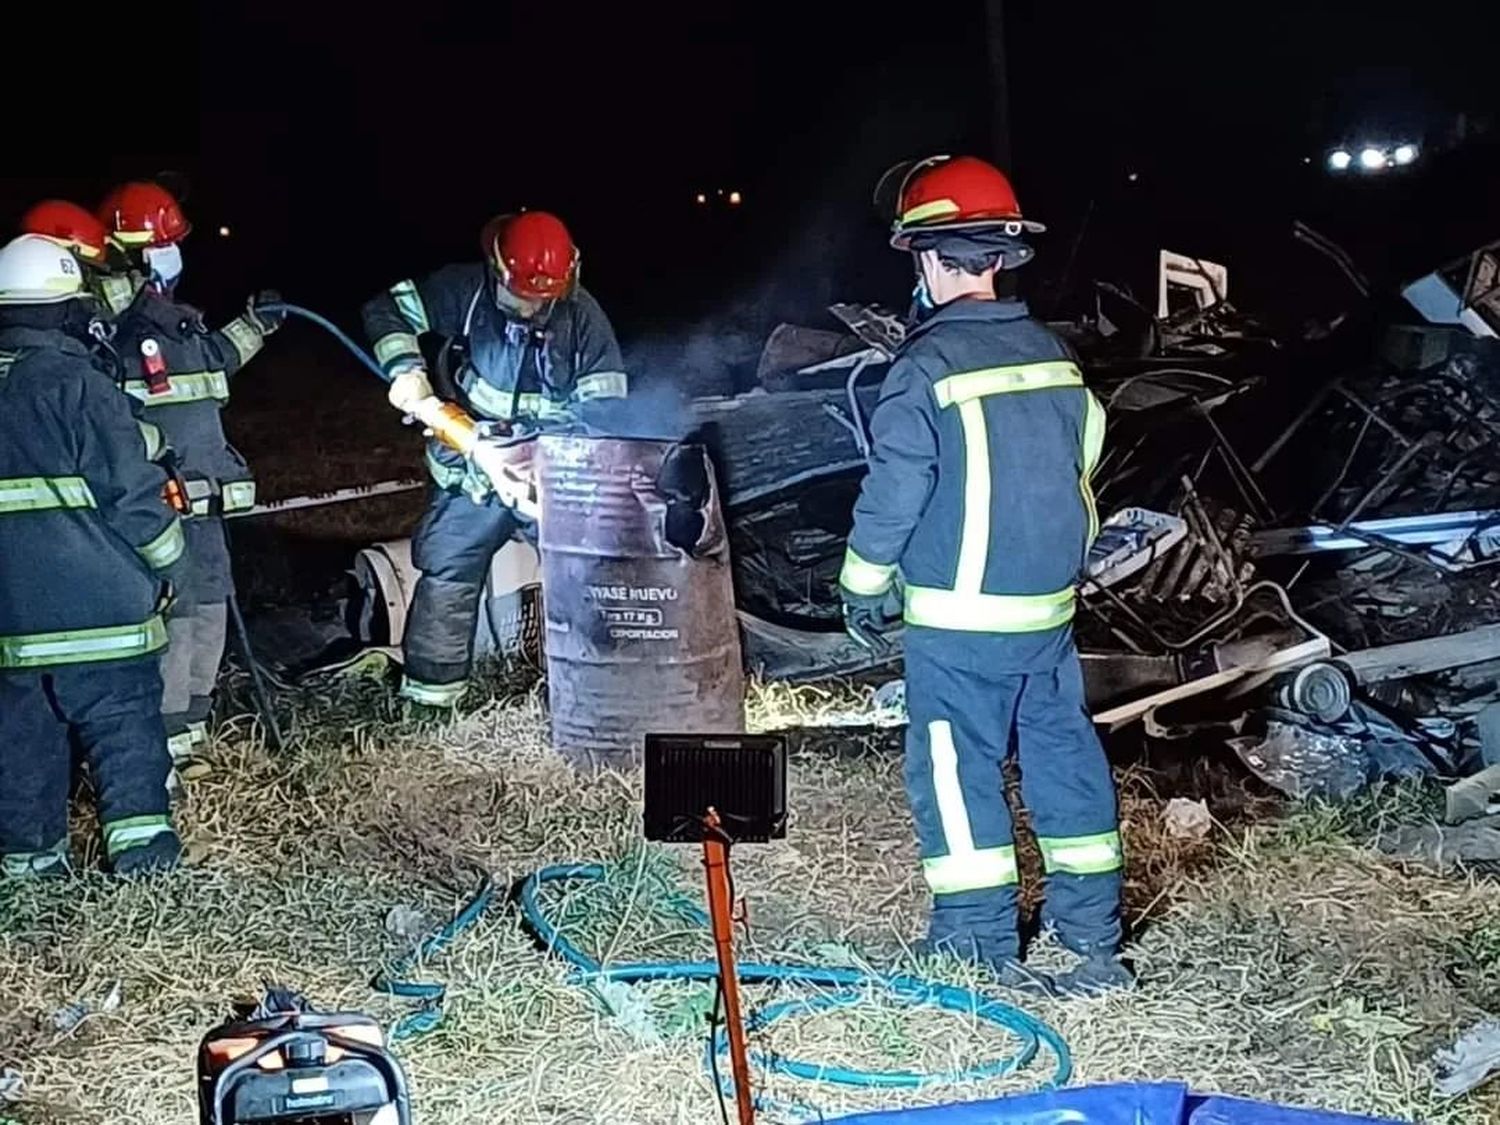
column 1218, row 1110
column 1130, row 1103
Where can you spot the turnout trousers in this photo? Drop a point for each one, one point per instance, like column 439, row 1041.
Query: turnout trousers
column 964, row 723
column 196, row 630
column 453, row 547
column 112, row 711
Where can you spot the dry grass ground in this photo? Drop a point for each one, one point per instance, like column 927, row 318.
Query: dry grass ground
column 1284, row 961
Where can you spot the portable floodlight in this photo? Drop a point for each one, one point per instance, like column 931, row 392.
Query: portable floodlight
column 720, row 790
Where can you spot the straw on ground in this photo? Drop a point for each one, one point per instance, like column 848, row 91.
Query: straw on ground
column 1283, row 961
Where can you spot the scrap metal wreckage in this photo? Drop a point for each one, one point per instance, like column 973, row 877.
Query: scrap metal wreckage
column 1284, row 510
column 1297, row 565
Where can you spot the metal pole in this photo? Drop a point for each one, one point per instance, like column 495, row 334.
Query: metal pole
column 721, row 911
column 994, row 19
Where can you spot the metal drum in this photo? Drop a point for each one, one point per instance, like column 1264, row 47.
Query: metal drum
column 641, row 633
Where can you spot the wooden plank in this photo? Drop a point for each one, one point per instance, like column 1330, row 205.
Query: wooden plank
column 1420, row 658
column 1280, row 661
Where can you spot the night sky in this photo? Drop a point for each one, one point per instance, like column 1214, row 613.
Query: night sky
column 346, row 146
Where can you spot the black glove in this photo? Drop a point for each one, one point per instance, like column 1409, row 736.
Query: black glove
column 868, row 620
column 269, row 319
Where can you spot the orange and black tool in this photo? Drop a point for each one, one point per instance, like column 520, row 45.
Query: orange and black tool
column 720, row 790
column 175, row 490
column 721, row 912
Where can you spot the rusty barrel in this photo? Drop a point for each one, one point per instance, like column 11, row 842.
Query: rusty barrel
column 641, row 633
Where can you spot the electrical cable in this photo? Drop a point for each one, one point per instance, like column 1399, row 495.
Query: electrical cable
column 713, row 1056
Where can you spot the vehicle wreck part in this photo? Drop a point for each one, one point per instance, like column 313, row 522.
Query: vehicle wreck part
column 1413, row 531
column 509, row 623
column 1319, row 691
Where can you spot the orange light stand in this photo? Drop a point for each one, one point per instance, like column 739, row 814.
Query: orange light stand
column 721, row 912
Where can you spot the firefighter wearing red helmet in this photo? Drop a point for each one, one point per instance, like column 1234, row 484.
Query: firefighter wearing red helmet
column 178, row 369
column 520, row 345
column 978, row 497
column 79, row 230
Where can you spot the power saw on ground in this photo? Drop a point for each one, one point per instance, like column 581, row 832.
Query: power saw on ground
column 279, row 1060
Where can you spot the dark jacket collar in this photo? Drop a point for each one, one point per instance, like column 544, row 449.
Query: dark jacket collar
column 972, row 309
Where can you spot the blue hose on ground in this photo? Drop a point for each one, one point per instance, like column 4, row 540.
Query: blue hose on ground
column 391, row 978
column 847, row 987
column 332, row 329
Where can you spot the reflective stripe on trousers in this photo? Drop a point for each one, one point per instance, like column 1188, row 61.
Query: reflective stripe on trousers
column 133, row 832
column 963, row 867
column 1096, row 854
column 965, row 722
column 432, row 695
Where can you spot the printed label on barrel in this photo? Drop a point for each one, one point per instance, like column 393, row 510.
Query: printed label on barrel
column 630, row 611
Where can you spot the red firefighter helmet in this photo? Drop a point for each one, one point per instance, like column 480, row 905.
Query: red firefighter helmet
column 956, row 193
column 143, row 214
column 532, row 254
column 68, row 225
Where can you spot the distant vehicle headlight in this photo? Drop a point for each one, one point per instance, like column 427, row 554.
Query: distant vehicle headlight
column 1405, row 154
column 1372, row 159
column 1339, row 160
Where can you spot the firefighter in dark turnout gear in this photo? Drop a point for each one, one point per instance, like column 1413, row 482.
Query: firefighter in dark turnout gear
column 978, row 497
column 89, row 545
column 536, row 351
column 179, row 371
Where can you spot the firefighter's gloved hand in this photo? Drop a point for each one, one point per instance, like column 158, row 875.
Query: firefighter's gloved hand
column 266, row 319
column 409, row 386
column 868, row 621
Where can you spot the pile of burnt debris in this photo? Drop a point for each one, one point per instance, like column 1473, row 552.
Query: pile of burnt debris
column 1302, row 554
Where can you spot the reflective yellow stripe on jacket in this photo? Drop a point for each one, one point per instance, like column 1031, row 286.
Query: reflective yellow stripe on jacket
column 496, row 403
column 41, row 494
column 194, row 386
column 79, row 646
column 860, row 576
column 166, row 548
column 966, row 607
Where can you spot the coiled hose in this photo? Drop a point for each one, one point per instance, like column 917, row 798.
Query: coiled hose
column 843, row 988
